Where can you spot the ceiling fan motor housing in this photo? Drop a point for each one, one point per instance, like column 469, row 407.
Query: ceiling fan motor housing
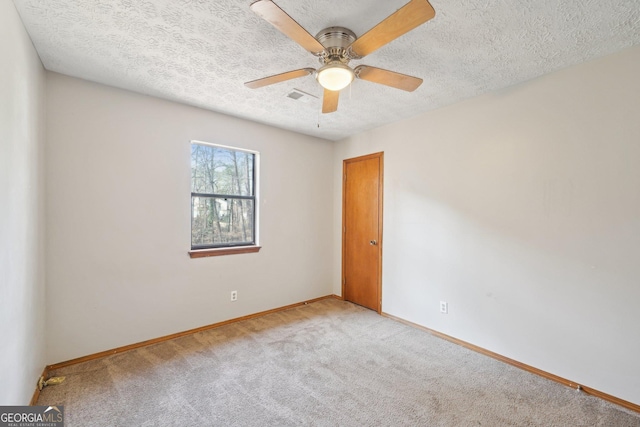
column 336, row 40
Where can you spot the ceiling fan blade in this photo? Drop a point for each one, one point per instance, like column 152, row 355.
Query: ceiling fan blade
column 388, row 78
column 277, row 17
column 277, row 78
column 405, row 19
column 330, row 101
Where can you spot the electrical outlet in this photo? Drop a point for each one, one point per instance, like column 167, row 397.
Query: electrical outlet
column 444, row 307
column 234, row 295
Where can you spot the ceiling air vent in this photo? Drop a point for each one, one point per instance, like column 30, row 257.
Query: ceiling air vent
column 299, row 95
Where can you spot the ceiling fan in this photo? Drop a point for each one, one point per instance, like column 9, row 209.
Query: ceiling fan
column 336, row 46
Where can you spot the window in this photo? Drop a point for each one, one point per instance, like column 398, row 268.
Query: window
column 223, row 200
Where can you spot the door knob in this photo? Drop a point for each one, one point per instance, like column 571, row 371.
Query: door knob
column 373, row 242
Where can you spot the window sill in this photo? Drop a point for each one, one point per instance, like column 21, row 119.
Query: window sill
column 201, row 253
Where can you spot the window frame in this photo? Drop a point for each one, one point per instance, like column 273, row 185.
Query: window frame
column 199, row 251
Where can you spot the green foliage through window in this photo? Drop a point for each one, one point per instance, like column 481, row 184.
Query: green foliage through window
column 223, row 197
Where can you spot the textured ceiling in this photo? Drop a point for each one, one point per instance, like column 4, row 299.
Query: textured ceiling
column 200, row 52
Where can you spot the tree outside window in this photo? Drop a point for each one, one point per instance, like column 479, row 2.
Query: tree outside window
column 223, row 196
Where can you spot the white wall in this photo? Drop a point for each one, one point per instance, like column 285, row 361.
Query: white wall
column 522, row 210
column 118, row 220
column 21, row 211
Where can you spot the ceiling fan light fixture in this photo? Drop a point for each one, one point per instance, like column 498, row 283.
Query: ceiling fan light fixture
column 335, row 76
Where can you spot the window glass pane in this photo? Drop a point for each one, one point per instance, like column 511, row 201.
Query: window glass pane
column 221, row 221
column 216, row 170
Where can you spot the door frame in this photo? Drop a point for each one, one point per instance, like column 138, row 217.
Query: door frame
column 345, row 162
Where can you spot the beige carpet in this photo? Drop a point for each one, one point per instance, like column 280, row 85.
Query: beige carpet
column 329, row 363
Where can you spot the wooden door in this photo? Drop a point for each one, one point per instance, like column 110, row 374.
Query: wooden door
column 362, row 231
